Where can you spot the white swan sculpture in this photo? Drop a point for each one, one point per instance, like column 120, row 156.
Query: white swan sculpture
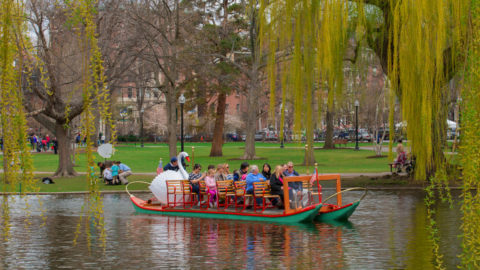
column 159, row 186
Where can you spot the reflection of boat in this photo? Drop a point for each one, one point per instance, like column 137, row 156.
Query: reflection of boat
column 306, row 214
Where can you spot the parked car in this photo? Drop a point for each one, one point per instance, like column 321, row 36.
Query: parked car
column 259, row 136
column 364, row 136
column 271, row 136
column 233, row 137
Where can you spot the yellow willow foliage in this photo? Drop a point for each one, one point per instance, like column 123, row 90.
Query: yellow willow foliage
column 94, row 91
column 17, row 161
column 470, row 147
column 420, row 30
column 313, row 34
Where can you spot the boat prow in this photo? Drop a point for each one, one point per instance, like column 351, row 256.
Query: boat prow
column 337, row 214
column 306, row 214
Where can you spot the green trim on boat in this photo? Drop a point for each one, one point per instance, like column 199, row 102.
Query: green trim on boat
column 306, row 216
column 340, row 214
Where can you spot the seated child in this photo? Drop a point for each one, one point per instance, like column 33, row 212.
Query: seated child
column 107, row 175
column 211, row 185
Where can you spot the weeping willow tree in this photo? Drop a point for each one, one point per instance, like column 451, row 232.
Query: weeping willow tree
column 17, row 161
column 95, row 95
column 470, row 146
column 314, row 33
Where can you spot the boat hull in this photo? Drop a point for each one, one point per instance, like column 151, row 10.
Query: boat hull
column 306, row 215
column 339, row 214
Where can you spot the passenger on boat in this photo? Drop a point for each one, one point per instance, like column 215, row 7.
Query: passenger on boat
column 296, row 187
column 210, row 167
column 172, row 166
column 226, row 168
column 242, row 173
column 220, row 173
column 195, row 177
column 211, row 185
column 285, row 168
column 252, row 177
column 276, row 183
column 267, row 171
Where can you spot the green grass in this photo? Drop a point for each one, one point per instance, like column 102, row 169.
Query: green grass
column 146, row 159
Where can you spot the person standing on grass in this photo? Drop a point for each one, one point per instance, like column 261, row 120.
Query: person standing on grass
column 55, row 145
column 47, row 139
column 124, row 172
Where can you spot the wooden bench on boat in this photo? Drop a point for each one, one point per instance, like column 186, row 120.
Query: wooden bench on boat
column 261, row 190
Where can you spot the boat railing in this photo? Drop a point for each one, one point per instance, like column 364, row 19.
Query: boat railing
column 297, row 193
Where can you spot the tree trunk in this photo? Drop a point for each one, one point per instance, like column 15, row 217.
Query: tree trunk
column 217, row 142
column 309, row 159
column 329, row 134
column 252, row 106
column 65, row 165
column 171, row 123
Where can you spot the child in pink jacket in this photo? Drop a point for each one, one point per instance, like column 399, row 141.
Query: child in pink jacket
column 211, row 185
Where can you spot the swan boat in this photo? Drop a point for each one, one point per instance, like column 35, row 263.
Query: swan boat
column 180, row 206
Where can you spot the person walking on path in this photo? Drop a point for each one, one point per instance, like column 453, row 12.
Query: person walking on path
column 55, row 145
column 124, row 172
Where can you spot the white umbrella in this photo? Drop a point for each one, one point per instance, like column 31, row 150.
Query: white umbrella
column 105, row 150
column 451, row 124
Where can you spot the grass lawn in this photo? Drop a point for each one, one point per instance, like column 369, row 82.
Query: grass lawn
column 146, row 159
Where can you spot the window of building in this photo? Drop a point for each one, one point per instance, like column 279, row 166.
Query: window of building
column 226, row 107
column 130, row 92
column 238, row 107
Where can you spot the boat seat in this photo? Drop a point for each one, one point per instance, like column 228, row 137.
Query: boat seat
column 225, row 190
column 262, row 190
column 204, row 197
column 174, row 188
column 241, row 193
column 188, row 195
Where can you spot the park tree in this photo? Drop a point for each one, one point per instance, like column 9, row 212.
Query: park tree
column 164, row 28
column 54, row 78
column 214, row 48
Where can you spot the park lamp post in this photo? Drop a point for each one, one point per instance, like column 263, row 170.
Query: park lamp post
column 356, row 124
column 181, row 100
column 141, row 127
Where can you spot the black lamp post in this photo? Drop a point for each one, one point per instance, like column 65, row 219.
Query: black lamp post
column 356, row 124
column 141, row 127
column 181, row 100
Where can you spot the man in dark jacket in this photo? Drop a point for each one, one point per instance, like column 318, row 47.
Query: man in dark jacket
column 173, row 165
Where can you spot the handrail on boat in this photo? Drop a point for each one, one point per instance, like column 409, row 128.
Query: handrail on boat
column 126, row 187
column 349, row 189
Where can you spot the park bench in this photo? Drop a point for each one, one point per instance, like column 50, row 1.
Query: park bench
column 340, row 141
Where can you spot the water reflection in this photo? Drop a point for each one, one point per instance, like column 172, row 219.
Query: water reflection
column 387, row 231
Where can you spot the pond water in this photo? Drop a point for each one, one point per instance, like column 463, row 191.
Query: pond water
column 386, row 232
